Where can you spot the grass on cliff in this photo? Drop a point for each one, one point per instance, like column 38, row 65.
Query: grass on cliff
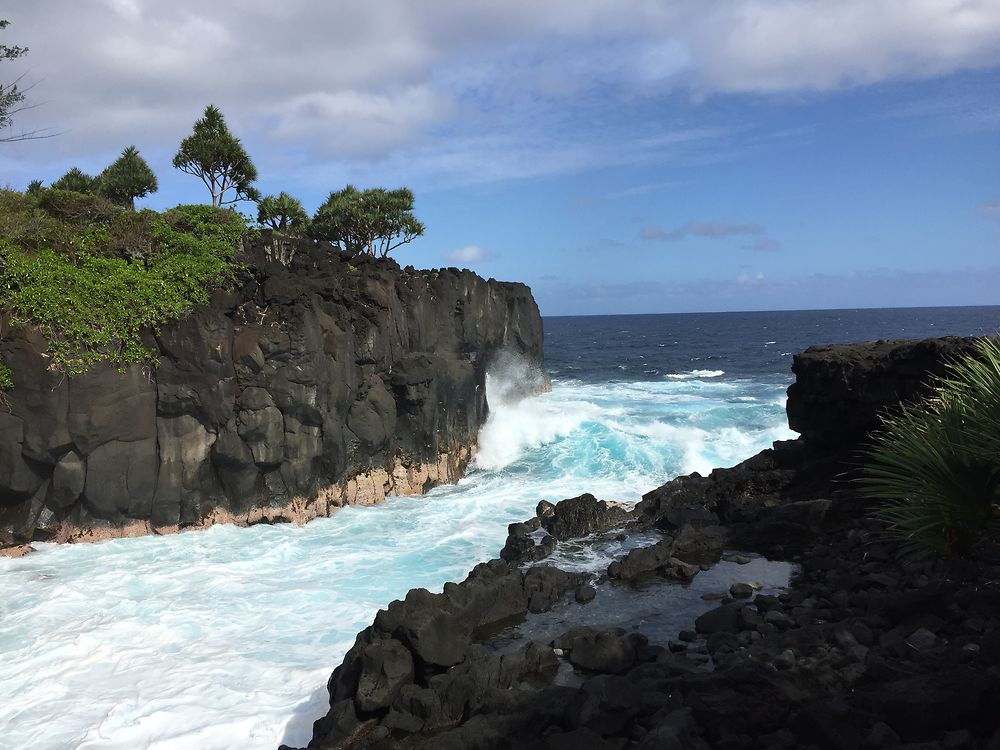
column 935, row 466
column 95, row 277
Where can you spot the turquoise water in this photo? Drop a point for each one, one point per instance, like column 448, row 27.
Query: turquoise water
column 197, row 639
column 225, row 638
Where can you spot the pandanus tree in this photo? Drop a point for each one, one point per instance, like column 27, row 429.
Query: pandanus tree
column 127, row 178
column 374, row 221
column 216, row 157
column 281, row 213
column 77, row 181
column 934, row 466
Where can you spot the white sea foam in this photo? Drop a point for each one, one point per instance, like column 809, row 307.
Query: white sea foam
column 225, row 638
column 516, row 427
column 695, row 374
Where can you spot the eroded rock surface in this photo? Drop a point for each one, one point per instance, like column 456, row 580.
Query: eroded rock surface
column 324, row 379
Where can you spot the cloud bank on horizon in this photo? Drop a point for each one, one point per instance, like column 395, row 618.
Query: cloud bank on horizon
column 468, row 94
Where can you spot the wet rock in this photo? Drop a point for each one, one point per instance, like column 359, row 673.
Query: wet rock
column 385, row 667
column 19, row 550
column 598, row 650
column 766, row 602
column 578, row 739
column 579, row 516
column 642, row 560
column 678, row 570
column 606, row 704
column 521, row 546
column 435, row 633
column 585, row 594
column 723, row 619
column 675, row 731
column 741, row 590
column 700, row 544
column 784, row 660
column 784, row 528
column 916, row 707
column 881, row 735
column 545, row 585
column 922, row 639
column 340, row 723
column 778, row 619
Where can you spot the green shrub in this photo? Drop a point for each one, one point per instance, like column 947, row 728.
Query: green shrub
column 109, row 277
column 77, row 208
column 6, row 377
column 935, row 466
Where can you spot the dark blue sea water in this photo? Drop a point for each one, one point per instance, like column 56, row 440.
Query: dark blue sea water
column 226, row 637
column 744, row 345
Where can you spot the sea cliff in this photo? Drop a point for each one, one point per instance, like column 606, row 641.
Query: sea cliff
column 323, row 379
column 866, row 648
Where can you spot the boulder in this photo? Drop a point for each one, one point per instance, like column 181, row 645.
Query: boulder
column 579, row 516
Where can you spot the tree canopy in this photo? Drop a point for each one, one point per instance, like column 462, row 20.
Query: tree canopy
column 216, row 157
column 127, row 178
column 78, row 181
column 374, row 221
column 281, row 212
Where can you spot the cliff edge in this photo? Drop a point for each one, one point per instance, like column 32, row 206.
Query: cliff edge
column 325, row 379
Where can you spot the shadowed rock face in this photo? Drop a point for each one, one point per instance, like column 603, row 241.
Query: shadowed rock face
column 324, row 380
column 839, row 390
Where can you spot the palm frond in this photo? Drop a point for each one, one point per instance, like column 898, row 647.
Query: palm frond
column 935, row 466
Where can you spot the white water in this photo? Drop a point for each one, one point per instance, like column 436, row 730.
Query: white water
column 225, row 638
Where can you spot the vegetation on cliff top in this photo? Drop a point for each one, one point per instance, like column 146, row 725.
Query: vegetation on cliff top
column 935, row 466
column 94, row 276
column 374, row 221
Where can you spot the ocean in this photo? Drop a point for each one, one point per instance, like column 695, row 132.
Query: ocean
column 225, row 638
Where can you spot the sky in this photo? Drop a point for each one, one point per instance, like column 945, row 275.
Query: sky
column 618, row 156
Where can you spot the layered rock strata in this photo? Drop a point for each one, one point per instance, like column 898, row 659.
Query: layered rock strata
column 869, row 647
column 323, row 380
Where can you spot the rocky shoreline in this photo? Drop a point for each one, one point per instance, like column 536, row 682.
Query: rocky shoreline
column 867, row 648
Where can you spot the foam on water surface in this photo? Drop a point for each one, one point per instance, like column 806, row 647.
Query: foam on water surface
column 225, row 638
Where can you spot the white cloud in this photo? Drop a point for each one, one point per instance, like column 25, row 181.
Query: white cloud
column 990, row 209
column 467, row 89
column 746, row 278
column 469, row 254
column 709, row 229
column 765, row 245
column 359, row 123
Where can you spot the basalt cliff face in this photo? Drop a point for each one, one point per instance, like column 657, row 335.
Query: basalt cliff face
column 324, row 380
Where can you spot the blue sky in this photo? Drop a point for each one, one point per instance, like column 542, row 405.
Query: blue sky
column 628, row 156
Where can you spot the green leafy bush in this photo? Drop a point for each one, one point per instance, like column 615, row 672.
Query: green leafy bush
column 94, row 282
column 936, row 465
column 6, row 377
